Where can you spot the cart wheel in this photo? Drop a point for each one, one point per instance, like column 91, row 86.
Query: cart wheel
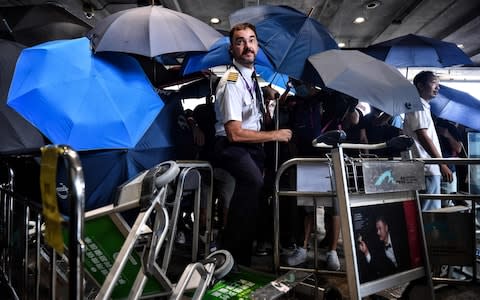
column 224, row 263
column 165, row 172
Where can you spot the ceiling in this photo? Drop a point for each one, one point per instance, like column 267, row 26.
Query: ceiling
column 456, row 21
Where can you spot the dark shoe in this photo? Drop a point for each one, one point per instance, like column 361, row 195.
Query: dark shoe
column 261, row 249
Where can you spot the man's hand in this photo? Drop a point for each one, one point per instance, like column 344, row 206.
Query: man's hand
column 283, row 135
column 446, row 173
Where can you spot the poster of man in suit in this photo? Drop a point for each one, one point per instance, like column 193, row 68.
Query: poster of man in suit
column 383, row 245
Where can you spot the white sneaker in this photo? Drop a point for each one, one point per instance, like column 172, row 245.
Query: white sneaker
column 333, row 264
column 298, row 256
column 180, row 238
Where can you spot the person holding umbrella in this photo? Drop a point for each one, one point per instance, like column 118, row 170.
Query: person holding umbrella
column 240, row 138
column 420, row 126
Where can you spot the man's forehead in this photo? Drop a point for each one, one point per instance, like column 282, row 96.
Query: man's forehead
column 244, row 33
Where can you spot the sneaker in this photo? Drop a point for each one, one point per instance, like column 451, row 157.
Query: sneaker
column 298, row 256
column 333, row 264
column 180, row 238
column 261, row 249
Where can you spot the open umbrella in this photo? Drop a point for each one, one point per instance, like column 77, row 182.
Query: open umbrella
column 219, row 55
column 17, row 134
column 418, row 51
column 151, row 31
column 46, row 22
column 457, row 106
column 9, row 52
column 287, row 36
column 83, row 100
column 365, row 78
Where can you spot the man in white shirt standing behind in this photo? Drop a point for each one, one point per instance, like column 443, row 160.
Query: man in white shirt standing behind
column 419, row 125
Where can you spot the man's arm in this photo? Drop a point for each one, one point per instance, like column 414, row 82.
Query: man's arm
column 428, row 145
column 235, row 133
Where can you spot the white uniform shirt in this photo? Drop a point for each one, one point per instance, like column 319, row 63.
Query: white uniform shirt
column 236, row 101
column 422, row 120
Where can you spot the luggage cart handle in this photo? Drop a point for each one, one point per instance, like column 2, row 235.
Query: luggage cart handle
column 334, row 138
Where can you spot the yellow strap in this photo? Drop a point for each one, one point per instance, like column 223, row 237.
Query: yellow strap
column 48, row 183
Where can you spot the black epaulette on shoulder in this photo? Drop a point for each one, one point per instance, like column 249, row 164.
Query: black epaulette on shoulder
column 232, row 76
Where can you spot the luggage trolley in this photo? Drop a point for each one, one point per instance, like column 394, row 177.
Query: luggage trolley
column 389, row 191
column 125, row 260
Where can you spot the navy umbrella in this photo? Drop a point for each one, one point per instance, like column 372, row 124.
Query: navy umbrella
column 219, row 55
column 287, row 36
column 457, row 106
column 418, row 51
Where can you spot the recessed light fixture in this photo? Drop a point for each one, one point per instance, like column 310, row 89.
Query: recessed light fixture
column 341, row 45
column 214, row 20
column 461, row 46
column 359, row 20
column 372, row 4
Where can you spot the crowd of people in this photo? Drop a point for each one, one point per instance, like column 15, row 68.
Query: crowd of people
column 236, row 133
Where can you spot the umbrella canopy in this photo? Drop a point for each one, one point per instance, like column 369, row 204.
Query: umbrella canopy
column 457, row 106
column 17, row 134
column 287, row 36
column 365, row 78
column 218, row 55
column 9, row 53
column 105, row 170
column 151, row 31
column 418, row 51
column 83, row 100
column 47, row 22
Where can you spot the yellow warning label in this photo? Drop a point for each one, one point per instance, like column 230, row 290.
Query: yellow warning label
column 48, row 182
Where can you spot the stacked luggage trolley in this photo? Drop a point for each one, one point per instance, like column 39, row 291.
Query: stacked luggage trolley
column 119, row 251
column 366, row 189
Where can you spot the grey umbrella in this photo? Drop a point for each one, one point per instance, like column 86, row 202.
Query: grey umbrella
column 365, row 78
column 152, row 31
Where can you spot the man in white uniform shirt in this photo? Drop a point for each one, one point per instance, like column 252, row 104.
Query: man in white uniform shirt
column 239, row 140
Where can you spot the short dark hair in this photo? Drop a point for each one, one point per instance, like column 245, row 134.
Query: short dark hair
column 242, row 26
column 423, row 77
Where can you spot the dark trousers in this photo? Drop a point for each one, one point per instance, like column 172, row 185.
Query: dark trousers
column 245, row 164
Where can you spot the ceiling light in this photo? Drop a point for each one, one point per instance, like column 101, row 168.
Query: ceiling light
column 214, row 20
column 461, row 46
column 372, row 4
column 341, row 45
column 359, row 20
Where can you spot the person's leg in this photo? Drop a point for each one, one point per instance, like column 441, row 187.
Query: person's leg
column 243, row 164
column 333, row 262
column 449, row 188
column 432, row 186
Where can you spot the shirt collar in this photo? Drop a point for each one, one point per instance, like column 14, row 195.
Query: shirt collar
column 246, row 72
column 425, row 103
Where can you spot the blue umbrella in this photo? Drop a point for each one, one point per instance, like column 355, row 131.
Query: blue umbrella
column 418, row 51
column 287, row 36
column 83, row 100
column 457, row 106
column 106, row 170
column 219, row 55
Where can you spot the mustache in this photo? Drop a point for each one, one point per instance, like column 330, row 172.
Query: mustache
column 247, row 50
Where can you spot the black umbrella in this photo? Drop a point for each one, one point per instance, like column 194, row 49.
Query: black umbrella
column 9, row 52
column 18, row 135
column 32, row 25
